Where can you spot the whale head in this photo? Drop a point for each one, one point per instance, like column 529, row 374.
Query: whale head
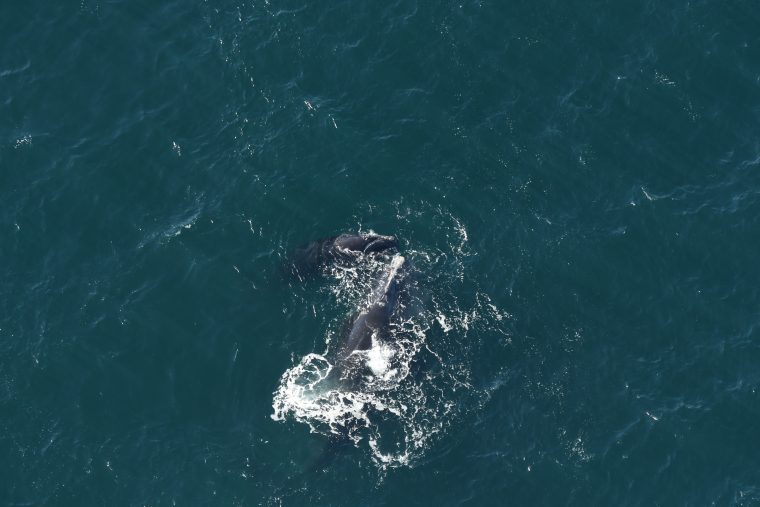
column 378, row 243
column 365, row 243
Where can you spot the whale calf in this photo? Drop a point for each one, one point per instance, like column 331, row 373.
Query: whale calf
column 344, row 248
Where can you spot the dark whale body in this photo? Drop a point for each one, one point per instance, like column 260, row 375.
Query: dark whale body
column 371, row 324
column 345, row 248
column 373, row 321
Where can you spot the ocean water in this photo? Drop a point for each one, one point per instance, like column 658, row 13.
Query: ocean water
column 576, row 185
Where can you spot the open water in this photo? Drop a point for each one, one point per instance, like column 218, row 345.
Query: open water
column 575, row 183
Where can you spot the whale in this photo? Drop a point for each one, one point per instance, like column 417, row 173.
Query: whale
column 367, row 327
column 341, row 249
column 372, row 323
column 350, row 359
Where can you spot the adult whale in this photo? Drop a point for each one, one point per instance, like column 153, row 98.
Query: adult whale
column 372, row 323
column 344, row 248
column 349, row 367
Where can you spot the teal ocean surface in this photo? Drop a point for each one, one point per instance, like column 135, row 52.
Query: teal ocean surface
column 575, row 186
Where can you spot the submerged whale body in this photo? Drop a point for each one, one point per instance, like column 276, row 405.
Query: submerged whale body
column 344, row 248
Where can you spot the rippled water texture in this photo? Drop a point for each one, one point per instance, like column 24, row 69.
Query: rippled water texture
column 576, row 184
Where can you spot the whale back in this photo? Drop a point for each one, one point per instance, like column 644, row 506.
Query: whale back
column 374, row 319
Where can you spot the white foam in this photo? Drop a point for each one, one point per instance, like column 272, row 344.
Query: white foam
column 379, row 360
